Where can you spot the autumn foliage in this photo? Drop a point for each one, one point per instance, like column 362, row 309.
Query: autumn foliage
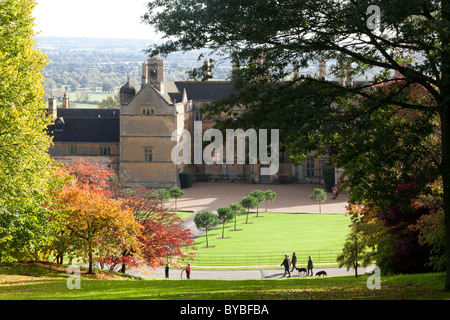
column 101, row 226
column 113, row 225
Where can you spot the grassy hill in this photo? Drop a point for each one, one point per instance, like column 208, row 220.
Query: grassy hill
column 19, row 281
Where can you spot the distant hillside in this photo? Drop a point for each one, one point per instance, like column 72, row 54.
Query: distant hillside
column 92, row 64
column 103, row 65
column 92, row 44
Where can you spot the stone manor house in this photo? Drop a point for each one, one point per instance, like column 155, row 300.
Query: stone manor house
column 135, row 140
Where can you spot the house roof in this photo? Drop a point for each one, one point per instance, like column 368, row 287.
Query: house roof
column 88, row 113
column 202, row 90
column 86, row 125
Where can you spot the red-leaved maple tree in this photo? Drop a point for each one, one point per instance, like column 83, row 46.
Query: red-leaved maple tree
column 162, row 234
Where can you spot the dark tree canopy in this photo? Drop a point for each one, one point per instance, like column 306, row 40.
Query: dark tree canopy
column 382, row 132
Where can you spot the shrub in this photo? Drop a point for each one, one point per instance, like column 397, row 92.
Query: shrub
column 328, row 178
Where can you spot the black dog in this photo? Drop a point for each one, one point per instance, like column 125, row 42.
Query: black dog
column 301, row 270
column 321, row 274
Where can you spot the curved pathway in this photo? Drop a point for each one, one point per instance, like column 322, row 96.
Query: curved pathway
column 201, row 274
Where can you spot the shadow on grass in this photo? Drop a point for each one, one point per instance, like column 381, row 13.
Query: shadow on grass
column 331, row 288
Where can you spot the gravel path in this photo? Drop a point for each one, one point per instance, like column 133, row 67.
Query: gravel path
column 291, row 198
column 200, row 274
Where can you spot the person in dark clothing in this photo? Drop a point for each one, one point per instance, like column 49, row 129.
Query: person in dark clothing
column 310, row 266
column 294, row 261
column 286, row 263
column 167, row 271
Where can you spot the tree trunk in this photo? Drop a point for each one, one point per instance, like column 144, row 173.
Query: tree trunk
column 445, row 123
column 207, row 238
column 90, row 260
column 355, row 263
column 223, row 230
column 444, row 112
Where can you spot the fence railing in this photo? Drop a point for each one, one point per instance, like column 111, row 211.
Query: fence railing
column 262, row 258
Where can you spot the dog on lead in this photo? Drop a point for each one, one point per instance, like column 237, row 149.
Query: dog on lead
column 321, row 274
column 301, row 270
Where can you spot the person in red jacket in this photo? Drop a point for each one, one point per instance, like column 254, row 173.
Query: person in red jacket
column 188, row 271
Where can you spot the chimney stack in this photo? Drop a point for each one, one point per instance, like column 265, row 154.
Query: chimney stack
column 144, row 78
column 323, row 70
column 207, row 67
column 341, row 75
column 65, row 101
column 349, row 81
column 296, row 70
column 52, row 112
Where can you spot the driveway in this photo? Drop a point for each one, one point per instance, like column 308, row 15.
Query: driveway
column 291, row 198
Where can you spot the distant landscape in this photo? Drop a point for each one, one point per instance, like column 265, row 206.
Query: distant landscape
column 92, row 69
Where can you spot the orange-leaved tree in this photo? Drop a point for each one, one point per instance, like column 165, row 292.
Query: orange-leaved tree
column 101, row 226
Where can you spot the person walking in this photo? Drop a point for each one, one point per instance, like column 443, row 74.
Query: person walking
column 286, row 263
column 167, row 271
column 310, row 266
column 188, row 271
column 294, row 261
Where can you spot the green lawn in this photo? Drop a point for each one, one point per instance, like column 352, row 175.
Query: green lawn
column 266, row 239
column 183, row 214
column 30, row 282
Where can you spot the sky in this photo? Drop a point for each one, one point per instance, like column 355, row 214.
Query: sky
column 92, row 19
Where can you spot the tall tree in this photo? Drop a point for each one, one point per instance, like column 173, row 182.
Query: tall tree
column 355, row 253
column 237, row 209
column 163, row 234
column 271, row 38
column 24, row 162
column 269, row 196
column 249, row 203
column 99, row 224
column 224, row 214
column 205, row 220
column 176, row 193
column 319, row 195
column 260, row 196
